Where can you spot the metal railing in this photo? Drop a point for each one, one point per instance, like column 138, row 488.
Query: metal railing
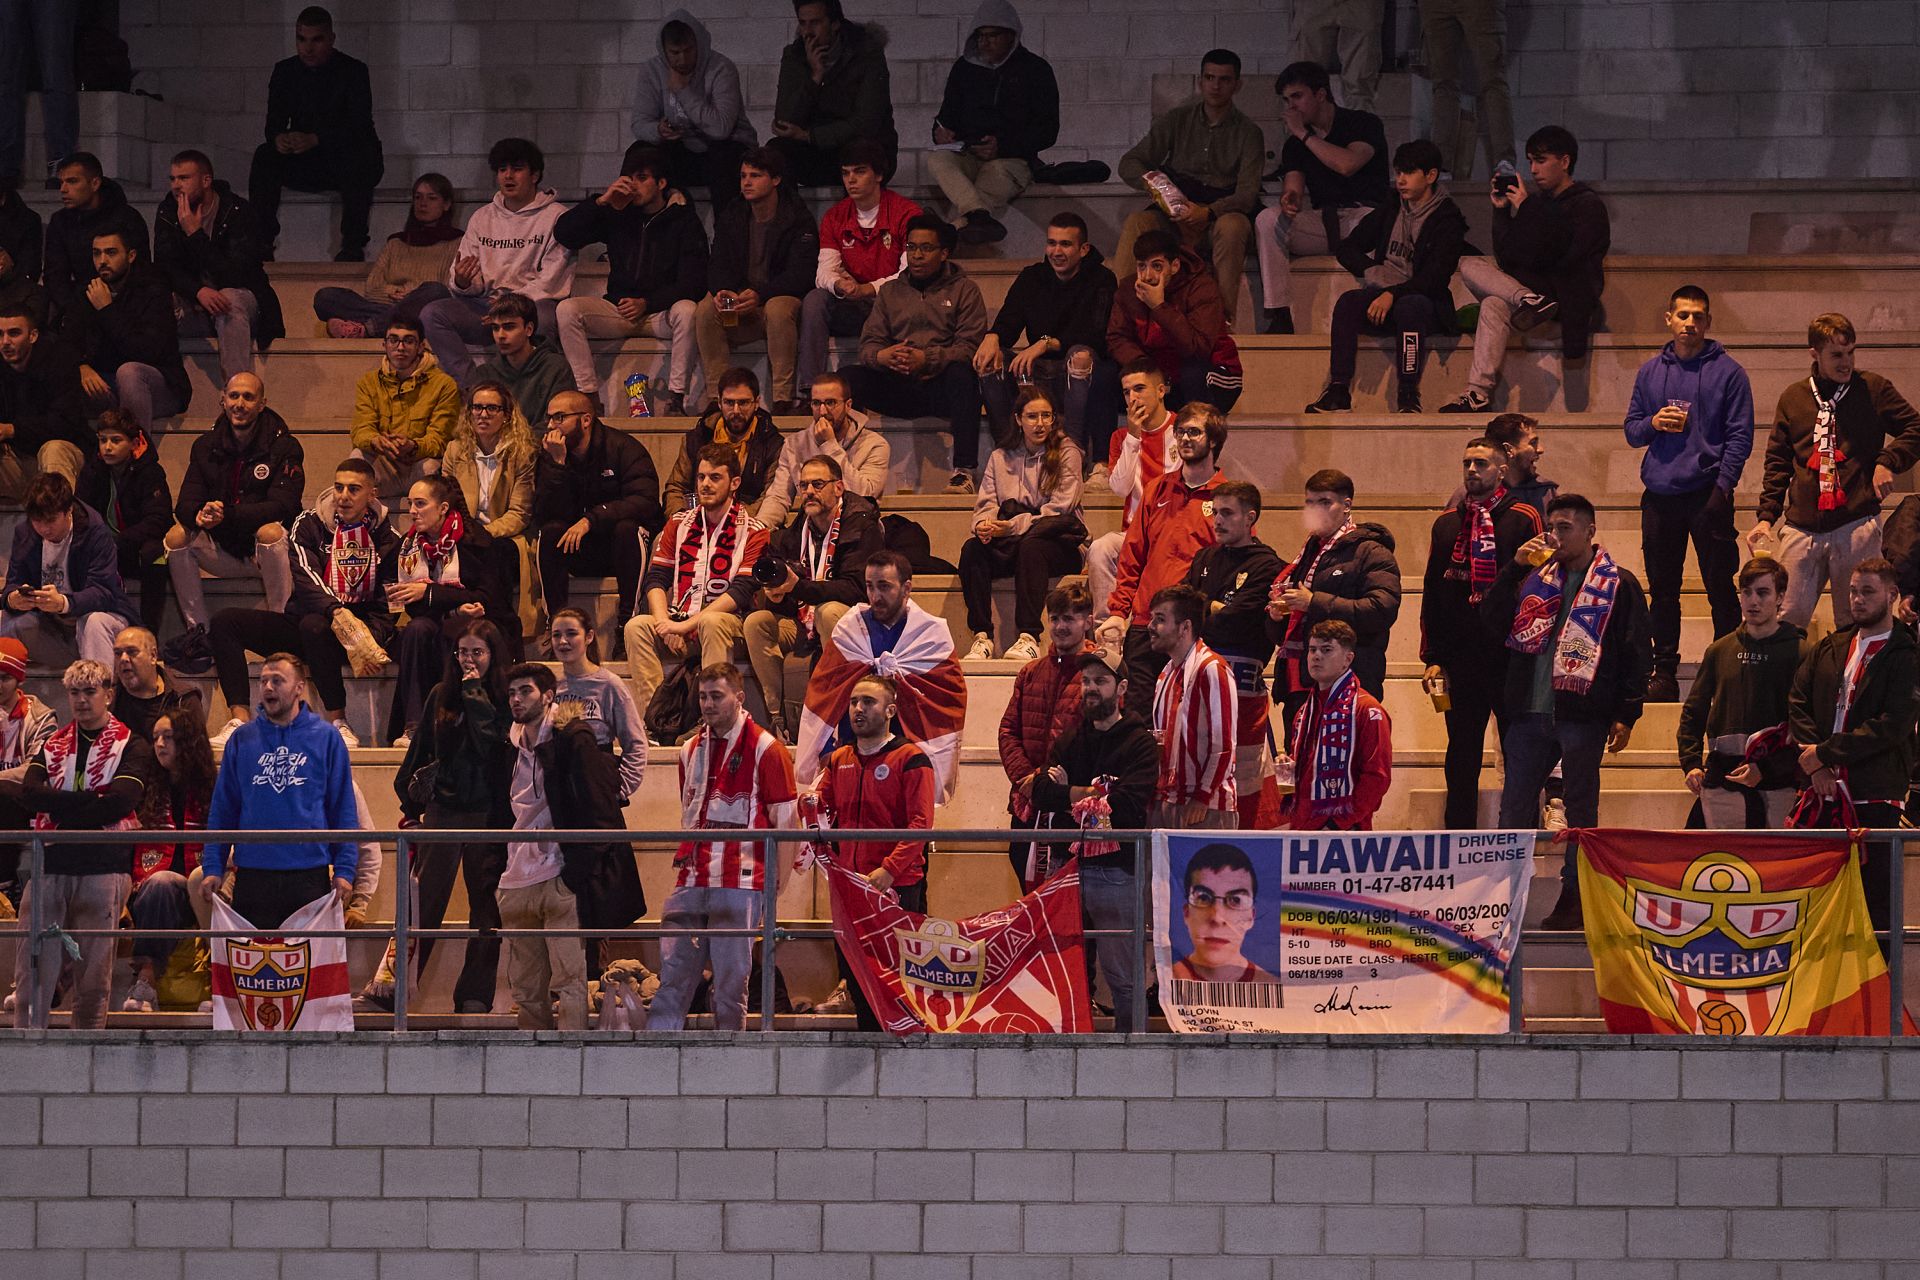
column 770, row 932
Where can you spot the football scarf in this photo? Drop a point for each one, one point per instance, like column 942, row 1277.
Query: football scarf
column 1475, row 560
column 1331, row 791
column 1827, row 453
column 1576, row 656
column 351, row 562
column 817, row 556
column 434, row 559
column 103, row 764
column 1300, row 573
column 704, row 558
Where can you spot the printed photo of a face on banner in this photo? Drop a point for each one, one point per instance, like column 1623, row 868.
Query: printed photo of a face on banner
column 1227, row 930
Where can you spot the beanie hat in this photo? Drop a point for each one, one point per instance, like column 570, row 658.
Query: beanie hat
column 13, row 658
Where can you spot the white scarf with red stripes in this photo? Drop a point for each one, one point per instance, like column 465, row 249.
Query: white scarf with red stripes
column 62, row 753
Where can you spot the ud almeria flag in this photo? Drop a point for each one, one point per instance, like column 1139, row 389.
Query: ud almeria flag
column 1019, row 970
column 282, row 981
column 1731, row 933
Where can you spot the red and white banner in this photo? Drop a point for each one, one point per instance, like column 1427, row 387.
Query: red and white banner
column 1019, row 970
column 281, row 981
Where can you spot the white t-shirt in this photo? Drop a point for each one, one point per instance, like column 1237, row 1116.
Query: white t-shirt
column 1859, row 654
column 53, row 564
column 488, row 467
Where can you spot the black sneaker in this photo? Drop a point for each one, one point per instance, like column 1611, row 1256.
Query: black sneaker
column 1279, row 322
column 982, row 228
column 1407, row 398
column 190, row 653
column 1472, row 400
column 1566, row 916
column 1662, row 686
column 1529, row 314
column 351, row 255
column 1335, row 399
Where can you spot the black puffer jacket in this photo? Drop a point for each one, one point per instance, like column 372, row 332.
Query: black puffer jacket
column 611, row 481
column 859, row 539
column 230, row 254
column 261, row 482
column 1356, row 582
column 763, row 454
column 660, row 257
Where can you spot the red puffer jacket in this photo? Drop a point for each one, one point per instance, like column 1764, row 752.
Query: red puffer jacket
column 1045, row 703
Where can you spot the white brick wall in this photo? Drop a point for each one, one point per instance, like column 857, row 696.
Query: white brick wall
column 585, row 1157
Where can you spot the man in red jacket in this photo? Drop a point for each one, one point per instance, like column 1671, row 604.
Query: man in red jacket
column 1172, row 311
column 1342, row 740
column 1044, row 705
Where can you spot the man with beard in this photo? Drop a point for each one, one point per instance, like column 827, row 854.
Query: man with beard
column 596, row 502
column 837, row 433
column 43, row 426
column 1193, row 717
column 127, row 335
column 743, row 425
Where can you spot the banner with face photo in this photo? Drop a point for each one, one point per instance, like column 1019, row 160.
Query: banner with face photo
column 1338, row 932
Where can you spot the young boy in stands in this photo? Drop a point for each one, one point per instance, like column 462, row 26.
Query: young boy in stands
column 126, row 484
column 1342, row 740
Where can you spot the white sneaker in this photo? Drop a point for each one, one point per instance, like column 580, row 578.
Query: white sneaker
column 404, row 741
column 141, row 997
column 1556, row 819
column 1025, row 649
column 6, row 1006
column 1098, row 478
column 347, row 735
column 982, row 647
column 226, row 731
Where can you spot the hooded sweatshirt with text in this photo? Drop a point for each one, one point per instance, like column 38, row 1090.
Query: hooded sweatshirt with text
column 517, row 249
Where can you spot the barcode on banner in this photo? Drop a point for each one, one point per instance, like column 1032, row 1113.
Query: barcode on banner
column 1229, row 995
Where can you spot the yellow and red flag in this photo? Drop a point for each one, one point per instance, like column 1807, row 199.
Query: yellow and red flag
column 1731, row 933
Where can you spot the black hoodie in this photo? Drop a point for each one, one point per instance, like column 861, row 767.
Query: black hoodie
column 1742, row 687
column 661, row 257
column 1356, row 582
column 261, row 482
column 69, row 253
column 1075, row 311
column 231, row 254
column 1016, row 103
column 136, row 501
column 1557, row 246
column 1124, row 751
column 137, row 327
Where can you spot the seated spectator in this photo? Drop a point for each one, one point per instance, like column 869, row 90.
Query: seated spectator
column 1404, row 255
column 21, row 236
column 1172, row 312
column 916, row 351
column 418, row 255
column 63, row 596
column 1136, row 457
column 764, row 251
column 862, row 246
column 207, row 242
column 699, row 583
column 1549, row 261
column 1342, row 740
column 403, row 411
column 129, row 338
column 492, row 457
column 175, row 798
column 1333, row 173
column 126, row 484
column 821, row 555
column 43, row 422
column 1046, row 700
column 1001, row 109
column 1211, row 154
column 743, row 426
column 240, row 493
column 833, row 89
column 144, row 694
column 1324, row 32
column 601, row 696
column 838, row 434
column 320, row 135
column 91, row 204
column 656, row 273
column 689, row 104
column 1026, row 525
column 1062, row 304
column 521, row 362
column 345, row 555
column 509, row 247
column 596, row 503
column 25, row 722
column 444, row 577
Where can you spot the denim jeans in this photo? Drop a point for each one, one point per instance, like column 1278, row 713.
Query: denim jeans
column 1109, row 899
column 232, row 330
column 685, row 959
column 1534, row 743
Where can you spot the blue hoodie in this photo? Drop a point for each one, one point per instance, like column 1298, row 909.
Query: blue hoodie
column 284, row 779
column 1719, row 436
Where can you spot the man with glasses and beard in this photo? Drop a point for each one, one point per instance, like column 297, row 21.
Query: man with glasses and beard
column 596, row 503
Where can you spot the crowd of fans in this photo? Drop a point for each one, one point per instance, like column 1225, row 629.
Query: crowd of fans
column 478, row 490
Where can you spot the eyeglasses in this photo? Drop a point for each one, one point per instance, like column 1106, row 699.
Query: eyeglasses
column 1036, row 415
column 555, row 418
column 1235, row 901
column 403, row 340
column 486, row 408
column 810, row 485
column 924, row 248
column 825, row 404
column 1190, row 433
column 728, row 402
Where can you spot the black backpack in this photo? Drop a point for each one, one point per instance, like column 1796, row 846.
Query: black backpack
column 675, row 705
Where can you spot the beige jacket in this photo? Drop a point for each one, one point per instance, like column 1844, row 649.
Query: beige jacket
column 512, row 498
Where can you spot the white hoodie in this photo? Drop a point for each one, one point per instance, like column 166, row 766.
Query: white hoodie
column 517, row 251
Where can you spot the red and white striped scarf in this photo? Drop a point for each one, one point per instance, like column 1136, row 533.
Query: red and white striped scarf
column 704, row 560
column 1195, row 717
column 434, row 559
column 103, row 765
column 817, row 560
column 352, row 563
column 1475, row 559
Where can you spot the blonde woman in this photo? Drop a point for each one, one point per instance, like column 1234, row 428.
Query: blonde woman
column 491, row 456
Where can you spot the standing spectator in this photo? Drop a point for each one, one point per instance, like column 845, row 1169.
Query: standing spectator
column 1136, row 457
column 1061, row 304
column 765, row 248
column 462, row 745
column 1212, row 154
column 600, row 696
column 1172, row 313
column 241, row 492
column 63, row 595
column 840, row 435
column 492, row 457
column 916, row 351
column 596, row 503
column 1333, row 167
column 689, row 104
column 862, row 246
column 175, row 798
column 1692, row 411
column 1193, row 718
column 284, row 770
column 21, row 239
column 1001, row 109
column 443, row 579
column 1404, row 255
column 509, row 247
column 1735, row 746
column 1549, row 260
column 129, row 337
column 126, row 484
column 1838, row 440
column 823, row 554
column 1026, row 524
column 1577, row 677
column 1465, row 659
column 403, row 411
column 1045, row 703
column 739, row 423
column 52, row 48
column 1342, row 741
column 320, row 135
column 1519, row 437
column 534, row 372
column 87, row 777
column 1174, row 521
column 1478, row 27
column 206, row 240
column 656, row 273
column 91, row 204
column 344, row 556
column 833, row 89
column 733, row 775
column 550, row 744
column 408, row 273
column 1346, row 32
column 43, row 421
column 144, row 693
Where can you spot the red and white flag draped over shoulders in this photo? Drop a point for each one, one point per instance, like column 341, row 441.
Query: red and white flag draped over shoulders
column 933, row 691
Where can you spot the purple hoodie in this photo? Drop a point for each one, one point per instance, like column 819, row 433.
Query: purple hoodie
column 1719, row 435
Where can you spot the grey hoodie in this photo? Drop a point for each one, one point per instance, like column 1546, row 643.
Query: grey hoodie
column 710, row 109
column 991, row 13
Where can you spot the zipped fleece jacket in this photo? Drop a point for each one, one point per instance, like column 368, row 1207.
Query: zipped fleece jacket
column 1877, row 428
column 294, row 777
column 230, row 254
column 261, row 482
column 661, row 257
column 1044, row 705
column 1041, row 304
column 853, row 100
column 423, row 406
column 517, row 249
column 710, row 109
column 945, row 317
column 1017, row 102
column 1437, row 251
column 1714, row 448
column 1189, row 324
column 1557, row 246
column 1174, row 521
column 1876, row 745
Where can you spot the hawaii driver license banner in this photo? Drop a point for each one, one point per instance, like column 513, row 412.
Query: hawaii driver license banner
column 1360, row 931
column 281, row 981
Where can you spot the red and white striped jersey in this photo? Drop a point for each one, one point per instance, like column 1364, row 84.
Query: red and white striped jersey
column 1195, row 717
column 742, row 781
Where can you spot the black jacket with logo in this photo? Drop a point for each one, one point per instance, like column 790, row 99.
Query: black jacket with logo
column 1356, row 582
column 260, row 481
column 612, row 481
